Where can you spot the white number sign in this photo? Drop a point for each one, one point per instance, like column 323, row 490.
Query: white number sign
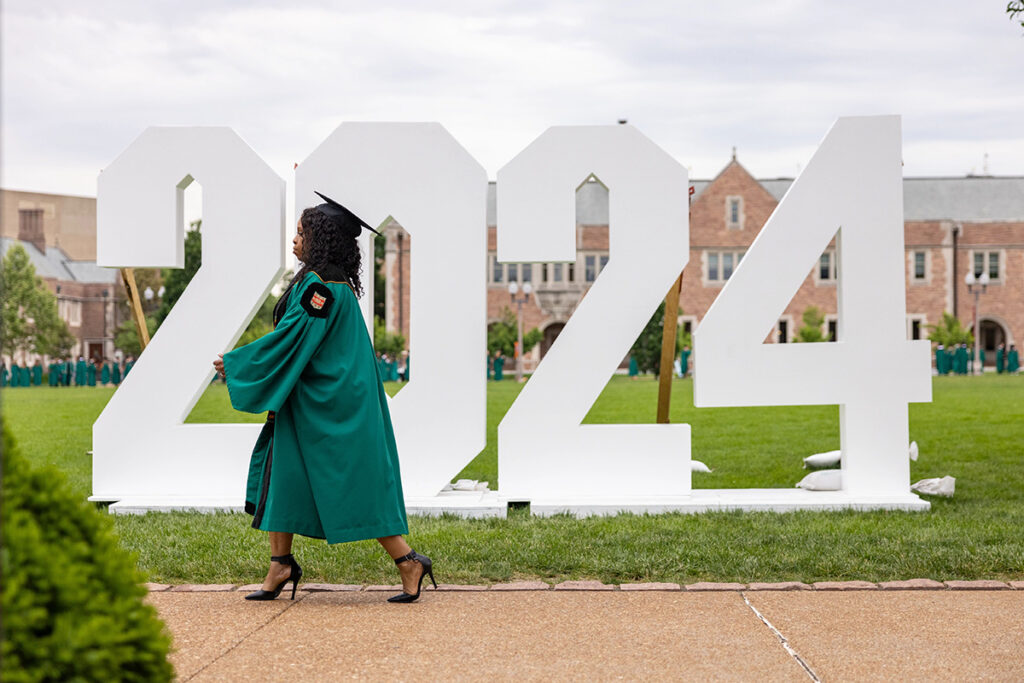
column 544, row 451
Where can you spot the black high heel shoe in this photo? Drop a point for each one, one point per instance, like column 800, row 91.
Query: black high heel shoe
column 428, row 569
column 294, row 576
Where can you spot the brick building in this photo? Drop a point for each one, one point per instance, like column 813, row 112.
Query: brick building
column 951, row 226
column 59, row 234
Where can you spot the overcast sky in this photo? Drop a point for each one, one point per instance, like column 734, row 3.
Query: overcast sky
column 82, row 79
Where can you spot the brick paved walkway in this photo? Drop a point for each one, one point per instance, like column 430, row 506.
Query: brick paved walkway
column 847, row 630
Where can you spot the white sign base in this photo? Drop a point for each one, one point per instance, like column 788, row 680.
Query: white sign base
column 483, row 504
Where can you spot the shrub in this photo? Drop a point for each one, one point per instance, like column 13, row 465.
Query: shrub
column 72, row 601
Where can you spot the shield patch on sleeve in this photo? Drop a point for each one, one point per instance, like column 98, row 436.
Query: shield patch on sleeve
column 317, row 300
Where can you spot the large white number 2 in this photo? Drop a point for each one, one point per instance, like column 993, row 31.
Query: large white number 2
column 853, row 187
column 545, row 455
column 141, row 448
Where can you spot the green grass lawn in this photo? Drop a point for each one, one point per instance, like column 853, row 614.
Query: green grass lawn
column 973, row 430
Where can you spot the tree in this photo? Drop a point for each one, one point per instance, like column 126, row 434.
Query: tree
column 647, row 347
column 126, row 337
column 177, row 279
column 1015, row 8
column 504, row 334
column 811, row 330
column 950, row 332
column 391, row 343
column 31, row 322
column 379, row 281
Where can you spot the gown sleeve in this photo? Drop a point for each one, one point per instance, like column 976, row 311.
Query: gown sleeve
column 262, row 374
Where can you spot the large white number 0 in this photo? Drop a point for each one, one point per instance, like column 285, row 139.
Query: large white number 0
column 853, row 186
column 141, row 448
column 418, row 174
column 545, row 455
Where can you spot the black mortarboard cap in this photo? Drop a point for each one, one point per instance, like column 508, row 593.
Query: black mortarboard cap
column 342, row 216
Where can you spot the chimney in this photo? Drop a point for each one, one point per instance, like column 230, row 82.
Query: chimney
column 30, row 228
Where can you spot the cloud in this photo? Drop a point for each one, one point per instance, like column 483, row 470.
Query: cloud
column 82, row 80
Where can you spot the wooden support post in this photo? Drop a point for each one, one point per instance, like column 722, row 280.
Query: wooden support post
column 668, row 349
column 128, row 277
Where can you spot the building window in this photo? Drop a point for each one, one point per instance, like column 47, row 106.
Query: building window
column 734, row 213
column 833, row 329
column 513, row 272
column 783, row 331
column 527, row 272
column 919, row 267
column 497, row 270
column 571, row 267
column 722, row 264
column 543, row 272
column 989, row 259
column 556, row 272
column 604, row 261
column 915, row 327
column 590, row 268
column 827, row 270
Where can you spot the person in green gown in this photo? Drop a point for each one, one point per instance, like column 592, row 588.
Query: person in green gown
column 90, row 374
column 634, row 369
column 105, row 373
column 115, row 372
column 1012, row 360
column 51, row 374
column 1001, row 359
column 940, row 359
column 81, row 372
column 499, row 366
column 128, row 363
column 325, row 464
column 981, row 359
column 684, row 361
column 37, row 374
column 960, row 359
column 15, row 374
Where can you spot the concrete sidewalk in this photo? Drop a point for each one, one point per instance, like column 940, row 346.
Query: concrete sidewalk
column 746, row 634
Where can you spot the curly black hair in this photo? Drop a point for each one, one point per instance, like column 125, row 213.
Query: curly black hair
column 329, row 250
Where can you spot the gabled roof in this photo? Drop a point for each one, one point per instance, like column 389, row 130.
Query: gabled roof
column 971, row 199
column 57, row 265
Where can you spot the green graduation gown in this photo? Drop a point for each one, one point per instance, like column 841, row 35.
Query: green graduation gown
column 1000, row 361
column 128, row 367
column 26, row 376
column 115, row 374
column 634, row 370
column 51, row 376
column 325, row 464
column 81, row 371
column 105, row 374
column 499, row 369
column 684, row 362
column 37, row 375
column 90, row 374
column 15, row 375
column 960, row 361
column 1012, row 361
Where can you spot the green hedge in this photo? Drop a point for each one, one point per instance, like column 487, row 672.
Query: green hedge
column 72, row 601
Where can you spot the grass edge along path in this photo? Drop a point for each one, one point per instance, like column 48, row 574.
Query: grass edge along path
column 972, row 430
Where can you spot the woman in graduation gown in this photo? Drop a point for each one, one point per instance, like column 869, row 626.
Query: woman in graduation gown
column 325, row 465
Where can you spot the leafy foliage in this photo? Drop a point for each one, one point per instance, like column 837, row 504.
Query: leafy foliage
column 647, row 347
column 72, row 600
column 126, row 337
column 950, row 332
column 177, row 279
column 1015, row 8
column 504, row 334
column 379, row 281
column 30, row 320
column 811, row 329
column 391, row 343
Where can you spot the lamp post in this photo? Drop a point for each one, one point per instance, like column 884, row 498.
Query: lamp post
column 513, row 290
column 977, row 287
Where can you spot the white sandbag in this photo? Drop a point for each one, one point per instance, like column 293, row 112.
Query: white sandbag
column 482, row 486
column 913, row 451
column 944, row 486
column 698, row 466
column 823, row 480
column 465, row 485
column 821, row 460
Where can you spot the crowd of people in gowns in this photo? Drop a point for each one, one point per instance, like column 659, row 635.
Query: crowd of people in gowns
column 66, row 372
column 960, row 359
column 393, row 369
